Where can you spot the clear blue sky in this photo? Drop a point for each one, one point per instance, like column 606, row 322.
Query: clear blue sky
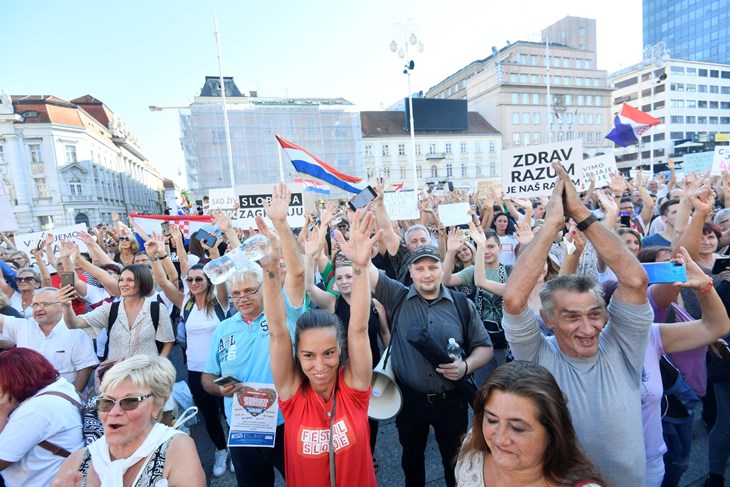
column 138, row 53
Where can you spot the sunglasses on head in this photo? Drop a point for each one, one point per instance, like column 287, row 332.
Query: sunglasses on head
column 105, row 404
column 194, row 279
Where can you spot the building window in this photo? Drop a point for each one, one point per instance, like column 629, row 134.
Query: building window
column 369, row 172
column 523, row 79
column 477, row 147
column 447, row 148
column 677, row 119
column 578, row 63
column 590, row 137
column 76, row 188
column 676, row 135
column 690, row 119
column 578, row 81
column 536, row 98
column 714, row 89
column 526, row 118
column 402, row 172
column 599, row 119
column 419, row 171
column 401, row 149
column 515, row 98
column 589, row 100
column 431, row 148
column 713, row 120
column 463, row 169
column 478, row 169
column 691, row 72
column 386, row 150
column 528, row 138
column 462, row 147
column 386, row 172
column 561, row 136
column 580, row 136
column 449, row 170
column 724, row 120
column 418, row 151
column 536, row 118
column 597, row 101
column 434, row 171
column 516, row 138
column 533, row 60
column 702, row 88
column 513, row 77
column 589, row 119
column 533, row 79
column 536, row 138
column 525, row 98
column 2, row 154
column 41, row 188
column 368, row 150
column 702, row 120
column 568, row 100
column 515, row 118
column 36, row 155
column 556, row 62
column 714, row 104
column 492, row 146
column 581, row 118
column 725, row 90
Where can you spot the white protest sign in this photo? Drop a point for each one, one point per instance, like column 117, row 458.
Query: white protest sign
column 8, row 223
column 699, row 162
column 495, row 184
column 224, row 199
column 402, row 205
column 602, row 167
column 721, row 161
column 527, row 171
column 251, row 199
column 28, row 241
column 454, row 214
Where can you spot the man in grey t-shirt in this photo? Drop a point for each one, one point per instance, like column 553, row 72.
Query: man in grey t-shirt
column 596, row 353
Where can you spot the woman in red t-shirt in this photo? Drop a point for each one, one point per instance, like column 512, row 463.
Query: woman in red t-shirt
column 325, row 405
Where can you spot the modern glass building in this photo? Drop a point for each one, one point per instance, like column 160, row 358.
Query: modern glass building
column 695, row 30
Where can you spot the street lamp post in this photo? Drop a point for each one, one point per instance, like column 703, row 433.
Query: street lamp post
column 654, row 56
column 404, row 35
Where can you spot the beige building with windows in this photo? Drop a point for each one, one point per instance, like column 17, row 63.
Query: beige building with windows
column 537, row 92
column 459, row 156
column 72, row 162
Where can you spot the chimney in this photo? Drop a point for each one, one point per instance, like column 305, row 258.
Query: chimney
column 253, row 93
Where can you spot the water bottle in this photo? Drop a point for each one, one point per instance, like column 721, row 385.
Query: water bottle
column 453, row 348
column 245, row 256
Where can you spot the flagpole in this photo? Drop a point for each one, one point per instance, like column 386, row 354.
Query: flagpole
column 281, row 162
column 223, row 99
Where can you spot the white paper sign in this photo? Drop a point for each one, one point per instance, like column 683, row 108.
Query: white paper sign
column 254, row 415
column 721, row 161
column 8, row 223
column 602, row 167
column 527, row 171
column 224, row 199
column 698, row 162
column 28, row 241
column 402, row 205
column 454, row 214
column 251, row 199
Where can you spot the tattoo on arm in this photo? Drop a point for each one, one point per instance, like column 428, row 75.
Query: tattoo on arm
column 357, row 271
column 271, row 274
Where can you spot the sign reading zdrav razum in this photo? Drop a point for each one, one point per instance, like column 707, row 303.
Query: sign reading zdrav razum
column 527, row 171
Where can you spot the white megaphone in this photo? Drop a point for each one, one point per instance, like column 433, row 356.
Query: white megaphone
column 386, row 398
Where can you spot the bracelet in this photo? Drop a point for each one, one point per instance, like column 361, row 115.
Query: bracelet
column 154, row 259
column 163, row 256
column 706, row 289
column 586, row 223
column 466, row 369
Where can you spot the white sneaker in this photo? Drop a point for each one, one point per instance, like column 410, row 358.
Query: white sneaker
column 233, row 470
column 219, row 463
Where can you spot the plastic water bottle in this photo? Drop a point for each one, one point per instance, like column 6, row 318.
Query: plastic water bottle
column 245, row 256
column 453, row 348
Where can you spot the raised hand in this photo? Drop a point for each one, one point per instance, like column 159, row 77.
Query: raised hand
column 455, row 240
column 279, row 206
column 476, row 232
column 696, row 278
column 617, row 183
column 359, row 247
column 312, row 245
column 523, row 233
column 607, row 202
column 175, row 233
column 554, row 212
column 275, row 254
column 573, row 206
column 151, row 247
column 66, row 294
column 702, row 200
column 221, row 220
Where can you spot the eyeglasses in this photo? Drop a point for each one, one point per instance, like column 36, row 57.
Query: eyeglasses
column 43, row 305
column 724, row 221
column 105, row 404
column 194, row 279
column 26, row 279
column 123, row 238
column 343, row 225
column 247, row 293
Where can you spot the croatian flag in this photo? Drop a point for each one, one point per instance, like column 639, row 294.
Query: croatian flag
column 188, row 224
column 629, row 125
column 395, row 187
column 313, row 186
column 306, row 163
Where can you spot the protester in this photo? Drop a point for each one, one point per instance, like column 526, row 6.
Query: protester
column 600, row 382
column 128, row 247
column 28, row 280
column 40, row 422
column 522, row 434
column 136, row 448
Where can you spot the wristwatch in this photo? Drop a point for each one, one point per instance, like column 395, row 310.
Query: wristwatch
column 586, row 223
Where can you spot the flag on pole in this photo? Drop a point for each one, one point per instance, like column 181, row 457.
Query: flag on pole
column 306, row 163
column 188, row 224
column 629, row 125
column 395, row 187
column 313, row 186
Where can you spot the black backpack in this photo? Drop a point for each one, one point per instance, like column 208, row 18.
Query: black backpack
column 114, row 311
column 222, row 315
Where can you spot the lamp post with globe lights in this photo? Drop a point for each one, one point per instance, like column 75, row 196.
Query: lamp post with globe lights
column 654, row 56
column 405, row 38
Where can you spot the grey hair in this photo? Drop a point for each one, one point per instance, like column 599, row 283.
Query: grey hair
column 415, row 228
column 148, row 372
column 36, row 274
column 574, row 283
column 46, row 289
column 254, row 271
column 720, row 215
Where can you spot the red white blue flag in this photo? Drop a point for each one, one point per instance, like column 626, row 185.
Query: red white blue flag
column 313, row 186
column 188, row 224
column 629, row 125
column 306, row 163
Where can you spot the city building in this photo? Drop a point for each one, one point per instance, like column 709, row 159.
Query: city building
column 539, row 92
column 692, row 99
column 696, row 30
column 460, row 156
column 71, row 162
column 329, row 128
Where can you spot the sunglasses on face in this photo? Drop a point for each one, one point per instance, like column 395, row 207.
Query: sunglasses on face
column 123, row 239
column 105, row 404
column 194, row 279
column 26, row 279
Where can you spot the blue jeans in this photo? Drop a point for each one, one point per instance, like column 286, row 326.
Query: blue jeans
column 719, row 439
column 678, row 438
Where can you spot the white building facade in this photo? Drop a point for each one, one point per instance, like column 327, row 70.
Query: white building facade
column 691, row 98
column 61, row 165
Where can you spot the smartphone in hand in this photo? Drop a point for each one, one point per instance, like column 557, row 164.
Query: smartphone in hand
column 665, row 272
column 67, row 278
column 225, row 380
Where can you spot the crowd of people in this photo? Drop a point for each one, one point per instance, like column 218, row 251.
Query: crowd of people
column 539, row 314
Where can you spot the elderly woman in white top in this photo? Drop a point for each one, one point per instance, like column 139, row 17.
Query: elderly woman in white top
column 136, row 450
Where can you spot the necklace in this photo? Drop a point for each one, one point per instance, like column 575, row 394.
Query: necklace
column 327, row 413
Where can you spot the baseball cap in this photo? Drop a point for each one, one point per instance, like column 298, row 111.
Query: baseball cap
column 425, row 251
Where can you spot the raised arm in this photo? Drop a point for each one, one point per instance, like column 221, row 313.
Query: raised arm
column 531, row 261
column 286, row 377
column 221, row 290
column 277, row 211
column 182, row 254
column 632, row 278
column 359, row 368
column 453, row 243
column 171, row 290
column 312, row 250
column 480, row 274
column 678, row 337
column 64, row 296
column 647, row 209
column 66, row 251
column 111, row 284
column 591, row 189
column 390, row 238
column 98, row 255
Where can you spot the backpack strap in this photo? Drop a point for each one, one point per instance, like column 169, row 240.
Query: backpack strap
column 222, row 315
column 462, row 309
column 155, row 313
column 187, row 309
column 113, row 312
column 59, row 451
